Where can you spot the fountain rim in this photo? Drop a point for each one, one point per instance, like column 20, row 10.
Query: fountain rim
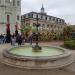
column 8, row 54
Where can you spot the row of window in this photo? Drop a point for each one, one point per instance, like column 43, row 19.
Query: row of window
column 14, row 3
column 43, row 17
column 8, row 18
column 0, row 1
column 47, row 26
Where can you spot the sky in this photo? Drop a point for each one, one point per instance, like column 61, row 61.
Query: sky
column 64, row 9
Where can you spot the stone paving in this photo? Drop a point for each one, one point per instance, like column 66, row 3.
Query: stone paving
column 7, row 70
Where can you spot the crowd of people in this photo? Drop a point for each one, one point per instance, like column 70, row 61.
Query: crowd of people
column 16, row 39
column 2, row 39
column 19, row 39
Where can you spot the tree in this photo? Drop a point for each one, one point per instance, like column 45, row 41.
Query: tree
column 67, row 31
column 26, row 29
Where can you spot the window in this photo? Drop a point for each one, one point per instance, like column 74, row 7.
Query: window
column 27, row 24
column 34, row 24
column 8, row 18
column 58, row 27
column 53, row 18
column 18, row 18
column 57, row 20
column 55, row 26
column 51, row 26
column 18, row 3
column 48, row 26
column 31, row 15
column 21, row 17
column 8, row 1
column 13, row 2
column 60, row 20
column 34, row 16
column 26, row 15
column 61, row 27
column 43, row 26
column 49, row 18
column 41, row 17
column 0, row 1
column 46, row 17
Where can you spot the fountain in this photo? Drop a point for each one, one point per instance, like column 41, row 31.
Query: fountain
column 37, row 48
column 37, row 57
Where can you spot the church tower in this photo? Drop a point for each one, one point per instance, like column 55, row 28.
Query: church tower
column 42, row 10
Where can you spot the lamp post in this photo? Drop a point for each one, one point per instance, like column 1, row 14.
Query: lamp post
column 37, row 48
column 37, row 36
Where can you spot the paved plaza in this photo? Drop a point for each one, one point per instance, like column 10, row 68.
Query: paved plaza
column 7, row 70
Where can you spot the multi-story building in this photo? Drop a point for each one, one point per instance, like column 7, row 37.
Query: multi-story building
column 10, row 12
column 47, row 22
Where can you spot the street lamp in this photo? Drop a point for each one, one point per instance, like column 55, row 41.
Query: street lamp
column 37, row 48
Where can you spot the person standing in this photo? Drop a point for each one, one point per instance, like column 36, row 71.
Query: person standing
column 13, row 40
column 19, row 39
column 30, row 39
column 23, row 39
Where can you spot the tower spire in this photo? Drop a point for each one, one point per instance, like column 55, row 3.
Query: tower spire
column 42, row 9
column 42, row 6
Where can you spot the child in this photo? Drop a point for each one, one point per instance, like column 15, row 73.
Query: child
column 13, row 40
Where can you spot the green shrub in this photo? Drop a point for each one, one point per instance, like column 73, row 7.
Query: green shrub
column 69, row 44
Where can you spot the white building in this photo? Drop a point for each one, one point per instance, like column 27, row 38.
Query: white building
column 10, row 11
column 46, row 22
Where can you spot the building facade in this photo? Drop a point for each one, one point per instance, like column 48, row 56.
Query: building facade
column 47, row 22
column 10, row 12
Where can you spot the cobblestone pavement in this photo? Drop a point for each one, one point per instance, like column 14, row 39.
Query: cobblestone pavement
column 7, row 70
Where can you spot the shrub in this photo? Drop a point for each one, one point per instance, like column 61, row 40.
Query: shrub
column 69, row 44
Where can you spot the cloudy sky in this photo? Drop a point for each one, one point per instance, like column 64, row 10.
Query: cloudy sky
column 64, row 9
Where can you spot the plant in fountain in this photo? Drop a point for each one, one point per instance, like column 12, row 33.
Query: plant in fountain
column 37, row 48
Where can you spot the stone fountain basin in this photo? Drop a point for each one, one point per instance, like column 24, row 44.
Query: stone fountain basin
column 38, row 62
